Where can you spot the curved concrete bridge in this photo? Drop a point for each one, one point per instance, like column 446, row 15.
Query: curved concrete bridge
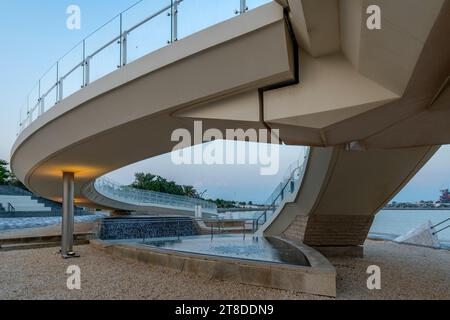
column 374, row 105
column 125, row 199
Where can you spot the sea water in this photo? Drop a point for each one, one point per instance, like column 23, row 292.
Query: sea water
column 399, row 222
column 389, row 222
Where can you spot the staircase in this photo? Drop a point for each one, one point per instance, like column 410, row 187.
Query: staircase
column 17, row 200
column 22, row 204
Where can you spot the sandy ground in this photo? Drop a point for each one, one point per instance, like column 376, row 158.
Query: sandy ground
column 407, row 273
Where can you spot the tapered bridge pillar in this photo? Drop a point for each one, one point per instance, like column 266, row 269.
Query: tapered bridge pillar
column 68, row 216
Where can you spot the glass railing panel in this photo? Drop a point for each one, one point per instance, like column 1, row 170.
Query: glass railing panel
column 48, row 88
column 134, row 196
column 103, row 50
column 196, row 15
column 252, row 4
column 33, row 97
column 284, row 191
column 70, row 71
column 73, row 82
column 104, row 62
column 34, row 113
column 152, row 34
column 49, row 100
column 22, row 118
column 144, row 10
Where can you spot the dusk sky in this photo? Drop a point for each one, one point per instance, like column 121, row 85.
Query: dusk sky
column 35, row 35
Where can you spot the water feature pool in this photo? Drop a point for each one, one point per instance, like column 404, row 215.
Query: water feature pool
column 266, row 262
column 235, row 246
column 8, row 224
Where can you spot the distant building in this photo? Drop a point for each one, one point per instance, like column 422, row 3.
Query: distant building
column 445, row 196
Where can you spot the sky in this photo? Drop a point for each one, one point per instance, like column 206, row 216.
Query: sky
column 35, row 35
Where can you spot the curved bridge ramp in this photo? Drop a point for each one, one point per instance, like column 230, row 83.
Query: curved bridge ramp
column 113, row 196
column 374, row 105
column 341, row 193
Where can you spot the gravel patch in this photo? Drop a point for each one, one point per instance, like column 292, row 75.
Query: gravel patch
column 40, row 274
column 407, row 273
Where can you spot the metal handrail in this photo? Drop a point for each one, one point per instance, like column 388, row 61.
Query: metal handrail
column 301, row 169
column 11, row 208
column 443, row 229
column 439, row 224
column 279, row 195
column 121, row 38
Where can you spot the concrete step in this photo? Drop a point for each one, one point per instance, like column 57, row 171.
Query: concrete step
column 23, row 204
column 14, row 197
column 32, row 209
column 37, row 245
column 26, row 205
column 40, row 239
column 19, row 201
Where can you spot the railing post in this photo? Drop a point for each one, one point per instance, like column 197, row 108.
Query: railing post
column 86, row 71
column 60, row 89
column 243, row 6
column 20, row 121
column 123, row 44
column 84, row 62
column 42, row 106
column 174, row 21
column 57, row 83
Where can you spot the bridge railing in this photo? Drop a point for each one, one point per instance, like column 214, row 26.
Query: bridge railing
column 145, row 27
column 143, row 198
column 444, row 225
column 287, row 187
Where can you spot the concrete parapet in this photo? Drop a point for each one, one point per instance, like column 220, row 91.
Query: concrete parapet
column 318, row 279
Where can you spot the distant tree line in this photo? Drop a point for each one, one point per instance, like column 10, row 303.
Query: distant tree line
column 225, row 204
column 152, row 182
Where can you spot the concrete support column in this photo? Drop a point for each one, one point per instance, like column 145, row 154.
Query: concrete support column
column 68, row 216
